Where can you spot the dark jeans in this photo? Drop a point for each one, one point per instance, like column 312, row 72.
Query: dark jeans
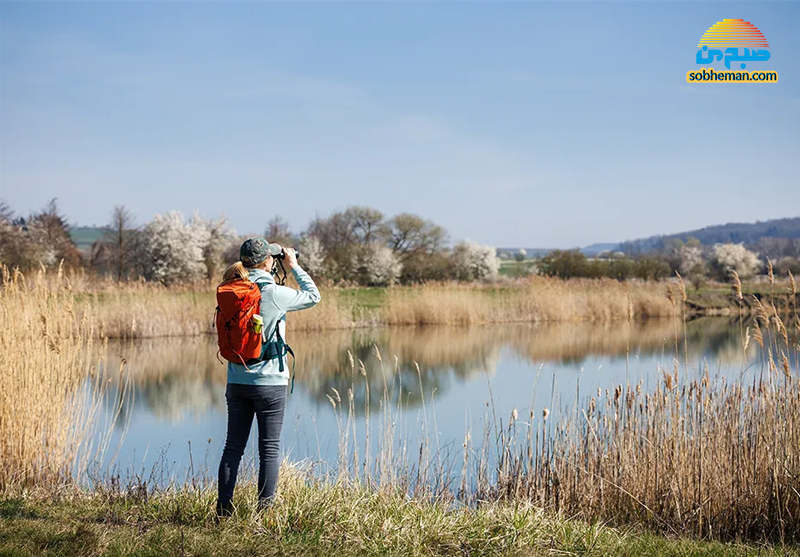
column 267, row 403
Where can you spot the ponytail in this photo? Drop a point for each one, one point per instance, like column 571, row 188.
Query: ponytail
column 235, row 272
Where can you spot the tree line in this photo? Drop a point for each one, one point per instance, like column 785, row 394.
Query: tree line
column 690, row 259
column 358, row 245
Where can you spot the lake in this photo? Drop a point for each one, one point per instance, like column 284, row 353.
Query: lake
column 441, row 383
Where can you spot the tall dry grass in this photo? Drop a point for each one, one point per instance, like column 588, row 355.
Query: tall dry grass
column 538, row 299
column 51, row 392
column 700, row 455
column 146, row 310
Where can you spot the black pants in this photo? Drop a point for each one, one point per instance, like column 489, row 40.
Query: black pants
column 267, row 403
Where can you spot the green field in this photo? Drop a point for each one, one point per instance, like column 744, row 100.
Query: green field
column 85, row 236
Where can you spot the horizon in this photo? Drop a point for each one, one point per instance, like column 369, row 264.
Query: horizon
column 458, row 113
column 514, row 247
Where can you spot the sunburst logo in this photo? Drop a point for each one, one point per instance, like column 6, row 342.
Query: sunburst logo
column 733, row 32
column 728, row 41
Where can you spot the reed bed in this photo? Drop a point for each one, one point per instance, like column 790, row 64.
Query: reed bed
column 538, row 299
column 51, row 394
column 700, row 455
column 146, row 310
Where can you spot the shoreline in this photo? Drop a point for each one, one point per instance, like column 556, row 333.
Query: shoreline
column 311, row 517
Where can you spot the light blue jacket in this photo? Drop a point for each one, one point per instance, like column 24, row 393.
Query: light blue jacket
column 276, row 301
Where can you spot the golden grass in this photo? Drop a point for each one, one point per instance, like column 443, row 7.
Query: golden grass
column 51, row 391
column 538, row 299
column 143, row 310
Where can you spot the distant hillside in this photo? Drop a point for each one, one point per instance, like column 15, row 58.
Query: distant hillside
column 85, row 236
column 596, row 249
column 735, row 232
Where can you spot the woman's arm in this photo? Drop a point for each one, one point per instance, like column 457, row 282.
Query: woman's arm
column 288, row 299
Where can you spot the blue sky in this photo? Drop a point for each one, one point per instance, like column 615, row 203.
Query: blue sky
column 513, row 124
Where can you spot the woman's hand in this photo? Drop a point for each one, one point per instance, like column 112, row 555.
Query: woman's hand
column 289, row 258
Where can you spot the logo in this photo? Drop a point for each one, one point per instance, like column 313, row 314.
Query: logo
column 729, row 41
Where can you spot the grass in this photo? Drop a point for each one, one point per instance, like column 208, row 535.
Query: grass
column 48, row 350
column 145, row 310
column 313, row 518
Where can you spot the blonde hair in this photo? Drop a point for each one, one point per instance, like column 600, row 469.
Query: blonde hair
column 237, row 271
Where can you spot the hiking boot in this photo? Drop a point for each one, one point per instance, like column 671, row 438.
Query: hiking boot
column 224, row 510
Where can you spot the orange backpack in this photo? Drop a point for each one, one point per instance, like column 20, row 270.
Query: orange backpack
column 237, row 302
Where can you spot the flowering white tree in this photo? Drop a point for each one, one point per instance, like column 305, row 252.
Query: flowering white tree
column 472, row 261
column 734, row 257
column 691, row 259
column 174, row 248
column 311, row 253
column 378, row 265
column 222, row 239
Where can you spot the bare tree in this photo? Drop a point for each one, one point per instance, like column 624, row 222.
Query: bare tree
column 50, row 230
column 279, row 231
column 118, row 235
column 367, row 223
column 409, row 235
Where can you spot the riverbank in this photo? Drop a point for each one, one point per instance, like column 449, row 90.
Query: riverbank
column 144, row 310
column 311, row 518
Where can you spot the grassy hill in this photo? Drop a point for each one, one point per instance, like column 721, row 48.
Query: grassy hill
column 85, row 236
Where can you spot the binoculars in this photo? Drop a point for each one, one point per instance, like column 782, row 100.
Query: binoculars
column 282, row 255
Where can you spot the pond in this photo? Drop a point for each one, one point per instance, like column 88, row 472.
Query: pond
column 439, row 383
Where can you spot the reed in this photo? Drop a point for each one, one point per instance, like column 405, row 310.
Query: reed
column 538, row 299
column 145, row 310
column 699, row 455
column 51, row 393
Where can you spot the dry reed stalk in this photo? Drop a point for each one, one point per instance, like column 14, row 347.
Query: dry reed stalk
column 52, row 389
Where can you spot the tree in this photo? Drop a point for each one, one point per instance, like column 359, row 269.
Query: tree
column 520, row 255
column 50, row 230
column 278, row 231
column 787, row 265
column 377, row 265
column 222, row 239
column 472, row 261
column 17, row 246
column 118, row 236
column 338, row 239
column 343, row 236
column 419, row 245
column 174, row 249
column 367, row 223
column 733, row 257
column 691, row 259
column 564, row 264
column 311, row 253
column 409, row 235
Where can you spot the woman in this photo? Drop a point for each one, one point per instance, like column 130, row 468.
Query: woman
column 260, row 389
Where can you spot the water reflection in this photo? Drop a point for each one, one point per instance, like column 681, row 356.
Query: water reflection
column 179, row 379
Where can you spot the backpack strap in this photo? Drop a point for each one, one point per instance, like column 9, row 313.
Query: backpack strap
column 275, row 349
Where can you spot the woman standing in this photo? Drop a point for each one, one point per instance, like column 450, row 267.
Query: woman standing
column 259, row 389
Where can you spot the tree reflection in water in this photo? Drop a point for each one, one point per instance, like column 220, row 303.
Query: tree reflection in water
column 178, row 377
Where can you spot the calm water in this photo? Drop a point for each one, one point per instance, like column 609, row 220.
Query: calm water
column 176, row 419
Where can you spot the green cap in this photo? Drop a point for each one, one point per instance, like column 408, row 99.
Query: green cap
column 256, row 250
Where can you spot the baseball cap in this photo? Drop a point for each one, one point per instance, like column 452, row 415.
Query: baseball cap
column 256, row 250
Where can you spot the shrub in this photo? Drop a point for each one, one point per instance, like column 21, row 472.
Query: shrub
column 726, row 258
column 472, row 261
column 174, row 249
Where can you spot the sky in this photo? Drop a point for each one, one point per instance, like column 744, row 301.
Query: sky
column 514, row 124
